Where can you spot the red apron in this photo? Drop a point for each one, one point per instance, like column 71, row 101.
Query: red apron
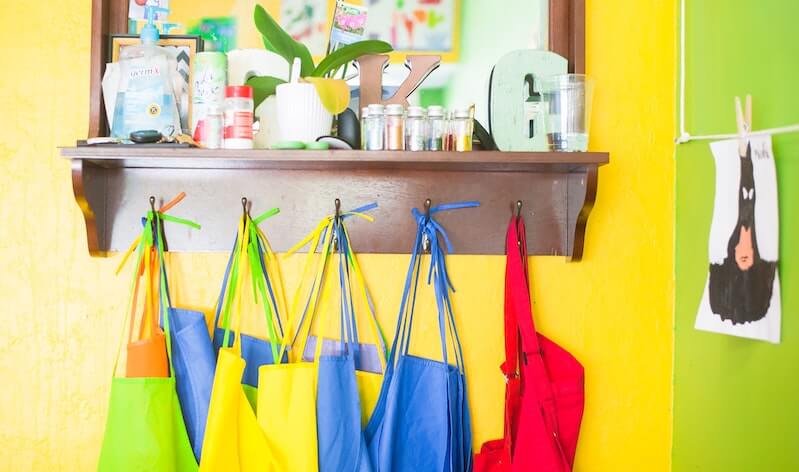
column 544, row 392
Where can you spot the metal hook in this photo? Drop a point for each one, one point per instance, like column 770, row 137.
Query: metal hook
column 337, row 202
column 152, row 212
column 154, row 226
column 244, row 211
column 425, row 239
column 518, row 218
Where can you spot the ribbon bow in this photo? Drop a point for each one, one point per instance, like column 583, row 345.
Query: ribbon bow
column 432, row 230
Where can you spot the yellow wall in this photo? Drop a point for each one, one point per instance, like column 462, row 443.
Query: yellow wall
column 185, row 13
column 62, row 309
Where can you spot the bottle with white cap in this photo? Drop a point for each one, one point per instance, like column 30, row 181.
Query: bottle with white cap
column 374, row 128
column 214, row 127
column 395, row 127
column 462, row 129
column 436, row 128
column 415, row 129
column 364, row 126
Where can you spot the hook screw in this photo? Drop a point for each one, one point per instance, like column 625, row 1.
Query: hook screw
column 337, row 203
column 518, row 218
column 425, row 239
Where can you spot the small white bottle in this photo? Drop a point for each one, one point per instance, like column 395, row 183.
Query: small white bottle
column 436, row 128
column 415, row 127
column 375, row 124
column 214, row 126
column 395, row 127
column 364, row 126
column 462, row 126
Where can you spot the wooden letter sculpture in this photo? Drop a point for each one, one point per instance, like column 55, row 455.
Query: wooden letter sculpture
column 371, row 70
column 517, row 110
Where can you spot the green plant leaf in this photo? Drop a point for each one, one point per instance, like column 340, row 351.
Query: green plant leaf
column 275, row 39
column 263, row 87
column 348, row 53
column 281, row 43
column 267, row 45
column 304, row 54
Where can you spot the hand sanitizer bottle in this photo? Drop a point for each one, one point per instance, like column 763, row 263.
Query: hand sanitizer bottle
column 145, row 97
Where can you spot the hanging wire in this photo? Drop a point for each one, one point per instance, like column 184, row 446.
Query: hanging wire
column 685, row 136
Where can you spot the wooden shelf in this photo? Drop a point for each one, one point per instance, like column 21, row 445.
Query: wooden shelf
column 112, row 185
column 182, row 158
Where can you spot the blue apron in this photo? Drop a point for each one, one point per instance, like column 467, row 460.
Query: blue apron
column 340, row 437
column 341, row 441
column 194, row 362
column 421, row 421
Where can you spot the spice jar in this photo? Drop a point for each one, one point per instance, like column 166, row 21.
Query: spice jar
column 395, row 127
column 415, row 129
column 374, row 128
column 449, row 133
column 462, row 130
column 238, row 117
column 436, row 127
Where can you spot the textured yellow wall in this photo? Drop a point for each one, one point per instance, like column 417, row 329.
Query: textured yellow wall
column 63, row 310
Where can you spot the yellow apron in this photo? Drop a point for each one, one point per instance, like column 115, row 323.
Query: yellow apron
column 287, row 392
column 233, row 440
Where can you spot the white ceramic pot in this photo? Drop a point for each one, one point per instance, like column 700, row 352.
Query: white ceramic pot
column 300, row 113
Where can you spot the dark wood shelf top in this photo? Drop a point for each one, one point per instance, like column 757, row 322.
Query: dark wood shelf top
column 182, row 158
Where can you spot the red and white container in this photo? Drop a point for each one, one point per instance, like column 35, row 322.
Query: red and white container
column 238, row 117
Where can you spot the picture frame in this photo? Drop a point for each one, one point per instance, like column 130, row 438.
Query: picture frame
column 441, row 40
column 447, row 12
column 187, row 47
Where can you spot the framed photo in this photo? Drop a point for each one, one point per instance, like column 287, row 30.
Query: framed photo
column 417, row 26
column 184, row 47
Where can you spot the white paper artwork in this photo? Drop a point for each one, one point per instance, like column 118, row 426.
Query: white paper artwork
column 742, row 293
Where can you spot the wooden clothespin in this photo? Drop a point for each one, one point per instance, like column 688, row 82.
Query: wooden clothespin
column 743, row 120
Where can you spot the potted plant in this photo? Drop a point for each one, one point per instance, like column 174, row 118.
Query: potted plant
column 305, row 108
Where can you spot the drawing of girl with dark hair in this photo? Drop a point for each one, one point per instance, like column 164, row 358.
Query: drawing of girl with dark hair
column 740, row 288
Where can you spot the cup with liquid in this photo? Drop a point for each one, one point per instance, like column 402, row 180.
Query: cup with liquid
column 569, row 99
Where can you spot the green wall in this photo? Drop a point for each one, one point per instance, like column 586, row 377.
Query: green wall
column 736, row 401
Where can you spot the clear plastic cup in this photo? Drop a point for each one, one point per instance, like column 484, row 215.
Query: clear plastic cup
column 569, row 99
